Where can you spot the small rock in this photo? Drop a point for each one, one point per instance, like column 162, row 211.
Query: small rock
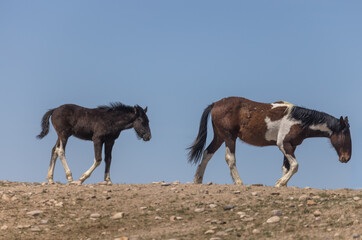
column 34, row 213
column 229, row 207
column 199, row 210
column 307, row 188
column 317, row 213
column 176, row 183
column 210, row 231
column 229, row 230
column 212, row 205
column 356, row 236
column 5, row 197
column 274, row 194
column 256, row 231
column 255, row 194
column 165, row 184
column 303, row 198
column 276, row 213
column 4, row 227
column 221, row 233
column 158, row 218
column 35, row 229
column 143, row 208
column 95, row 215
column 173, row 218
column 247, row 219
column 237, row 192
column 179, row 218
column 257, row 185
column 215, row 238
column 44, row 221
column 311, row 203
column 118, row 215
column 59, row 204
column 274, row 219
column 209, row 183
column 356, row 198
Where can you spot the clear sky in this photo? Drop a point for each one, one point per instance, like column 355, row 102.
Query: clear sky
column 176, row 57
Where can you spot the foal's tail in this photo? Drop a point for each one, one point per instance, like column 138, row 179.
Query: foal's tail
column 45, row 124
column 197, row 147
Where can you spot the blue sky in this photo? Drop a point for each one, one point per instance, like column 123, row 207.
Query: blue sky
column 176, row 57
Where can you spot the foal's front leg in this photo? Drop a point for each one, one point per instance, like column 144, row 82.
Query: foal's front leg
column 108, row 158
column 97, row 161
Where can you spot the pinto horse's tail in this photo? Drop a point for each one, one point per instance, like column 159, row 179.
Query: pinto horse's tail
column 45, row 124
column 197, row 147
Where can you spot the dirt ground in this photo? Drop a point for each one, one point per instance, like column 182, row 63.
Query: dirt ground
column 177, row 211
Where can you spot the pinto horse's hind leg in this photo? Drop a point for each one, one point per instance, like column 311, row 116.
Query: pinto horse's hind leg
column 231, row 161
column 53, row 160
column 288, row 151
column 207, row 155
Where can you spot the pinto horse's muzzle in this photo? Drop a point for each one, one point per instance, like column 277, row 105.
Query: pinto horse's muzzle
column 344, row 159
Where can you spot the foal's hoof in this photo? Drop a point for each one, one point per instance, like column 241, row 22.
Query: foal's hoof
column 76, row 183
column 105, row 183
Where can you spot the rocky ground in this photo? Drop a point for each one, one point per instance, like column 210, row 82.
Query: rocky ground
column 177, row 211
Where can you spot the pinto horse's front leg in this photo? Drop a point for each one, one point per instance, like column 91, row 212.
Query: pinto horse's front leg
column 290, row 165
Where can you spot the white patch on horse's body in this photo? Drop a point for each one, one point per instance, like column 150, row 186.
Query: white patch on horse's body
column 277, row 130
column 321, row 127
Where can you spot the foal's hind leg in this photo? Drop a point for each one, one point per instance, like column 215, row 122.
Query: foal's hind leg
column 231, row 161
column 58, row 151
column 61, row 154
column 108, row 158
column 53, row 159
column 207, row 155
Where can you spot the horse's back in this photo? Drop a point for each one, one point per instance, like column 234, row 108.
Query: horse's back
column 247, row 119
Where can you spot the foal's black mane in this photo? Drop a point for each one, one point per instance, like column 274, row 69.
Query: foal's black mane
column 117, row 106
column 312, row 117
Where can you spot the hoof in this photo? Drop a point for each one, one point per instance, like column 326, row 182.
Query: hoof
column 76, row 183
column 50, row 181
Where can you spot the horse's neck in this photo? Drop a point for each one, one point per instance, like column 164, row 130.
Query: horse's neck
column 125, row 121
column 318, row 133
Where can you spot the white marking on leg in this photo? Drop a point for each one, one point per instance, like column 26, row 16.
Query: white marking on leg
column 231, row 161
column 321, row 127
column 61, row 155
column 199, row 175
column 89, row 171
column 293, row 168
column 52, row 166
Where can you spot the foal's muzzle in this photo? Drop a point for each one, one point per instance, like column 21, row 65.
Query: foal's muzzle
column 147, row 137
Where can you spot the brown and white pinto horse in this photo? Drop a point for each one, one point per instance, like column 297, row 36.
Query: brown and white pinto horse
column 264, row 124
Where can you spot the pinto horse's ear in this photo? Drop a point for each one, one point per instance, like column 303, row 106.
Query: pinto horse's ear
column 342, row 122
column 145, row 109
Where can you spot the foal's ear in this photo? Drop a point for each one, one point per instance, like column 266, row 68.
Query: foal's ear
column 145, row 109
column 135, row 110
column 346, row 120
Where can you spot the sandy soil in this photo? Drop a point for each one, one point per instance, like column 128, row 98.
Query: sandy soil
column 177, row 211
